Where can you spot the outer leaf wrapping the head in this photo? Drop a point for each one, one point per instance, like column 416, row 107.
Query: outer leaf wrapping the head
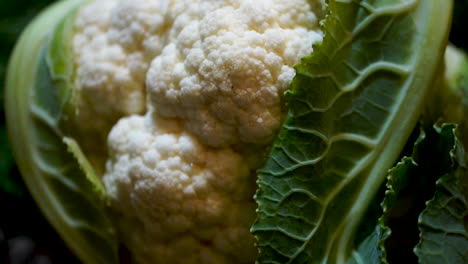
column 38, row 93
column 352, row 106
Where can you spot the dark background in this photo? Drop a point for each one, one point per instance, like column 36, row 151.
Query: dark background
column 25, row 236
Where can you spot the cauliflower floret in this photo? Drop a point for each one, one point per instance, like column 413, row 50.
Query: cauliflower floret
column 113, row 51
column 114, row 42
column 224, row 72
column 180, row 202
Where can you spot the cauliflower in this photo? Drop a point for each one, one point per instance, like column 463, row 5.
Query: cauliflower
column 181, row 177
column 149, row 124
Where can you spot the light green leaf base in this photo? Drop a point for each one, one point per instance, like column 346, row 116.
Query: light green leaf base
column 39, row 103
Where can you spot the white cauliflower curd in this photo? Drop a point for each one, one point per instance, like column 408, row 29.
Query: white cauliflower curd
column 197, row 86
column 225, row 72
column 179, row 201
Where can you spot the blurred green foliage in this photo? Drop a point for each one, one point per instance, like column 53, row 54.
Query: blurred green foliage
column 14, row 16
column 20, row 218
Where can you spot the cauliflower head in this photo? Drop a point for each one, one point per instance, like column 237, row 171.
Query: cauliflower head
column 196, row 89
column 147, row 124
